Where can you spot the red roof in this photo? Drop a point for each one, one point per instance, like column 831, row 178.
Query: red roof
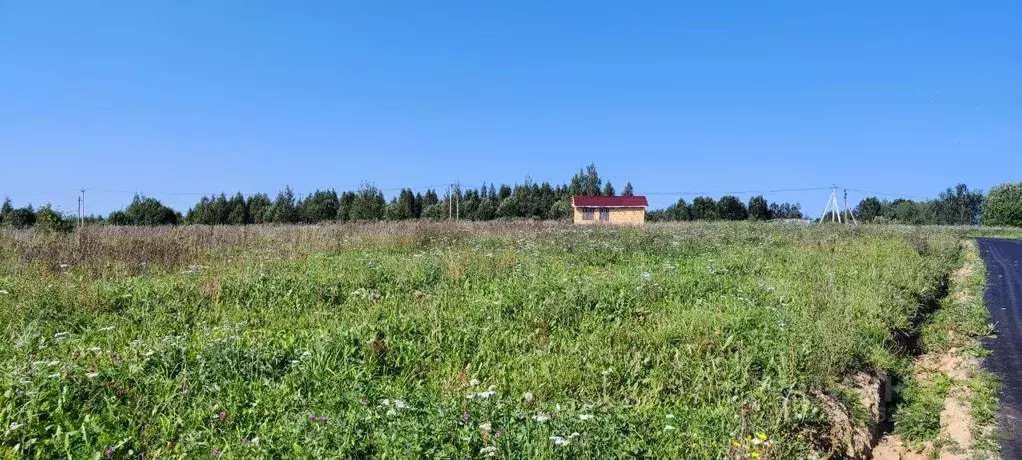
column 609, row 201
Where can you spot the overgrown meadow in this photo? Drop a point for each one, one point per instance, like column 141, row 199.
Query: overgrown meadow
column 506, row 340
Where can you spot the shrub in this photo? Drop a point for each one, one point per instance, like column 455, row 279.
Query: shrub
column 1003, row 206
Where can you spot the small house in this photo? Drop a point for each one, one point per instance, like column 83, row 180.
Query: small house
column 609, row 210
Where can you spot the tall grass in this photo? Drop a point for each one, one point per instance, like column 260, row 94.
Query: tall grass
column 519, row 340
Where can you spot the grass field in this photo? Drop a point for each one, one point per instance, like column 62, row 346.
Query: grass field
column 432, row 340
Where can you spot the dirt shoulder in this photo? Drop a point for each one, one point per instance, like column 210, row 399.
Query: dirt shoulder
column 946, row 400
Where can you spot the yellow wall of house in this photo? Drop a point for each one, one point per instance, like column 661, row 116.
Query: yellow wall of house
column 618, row 216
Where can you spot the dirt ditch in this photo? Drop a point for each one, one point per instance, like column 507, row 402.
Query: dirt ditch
column 873, row 436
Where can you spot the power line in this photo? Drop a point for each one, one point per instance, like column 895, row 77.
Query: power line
column 741, row 192
column 900, row 195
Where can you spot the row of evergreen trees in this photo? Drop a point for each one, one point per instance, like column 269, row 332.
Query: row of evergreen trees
column 958, row 206
column 531, row 200
column 729, row 207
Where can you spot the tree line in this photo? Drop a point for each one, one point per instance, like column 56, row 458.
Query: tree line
column 531, row 200
column 729, row 207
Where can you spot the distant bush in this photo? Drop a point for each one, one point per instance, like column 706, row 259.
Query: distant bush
column 1003, row 206
column 145, row 211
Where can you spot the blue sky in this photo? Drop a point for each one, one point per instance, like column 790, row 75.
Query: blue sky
column 173, row 98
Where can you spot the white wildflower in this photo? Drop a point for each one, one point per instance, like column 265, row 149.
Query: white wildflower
column 14, row 426
column 485, row 426
column 64, row 266
column 557, row 408
column 669, row 416
column 757, row 441
column 488, row 451
column 669, row 428
column 606, row 372
column 400, row 404
column 529, row 397
column 94, row 349
column 148, row 353
column 106, row 329
column 585, row 417
column 53, row 363
column 559, row 441
column 54, row 375
column 474, row 382
column 92, row 375
column 541, row 418
column 4, row 292
column 391, row 412
column 60, row 335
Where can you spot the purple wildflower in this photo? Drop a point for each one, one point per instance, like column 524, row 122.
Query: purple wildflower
column 465, row 416
column 498, row 434
column 222, row 415
column 363, row 402
column 217, row 452
column 312, row 417
column 322, row 419
column 245, row 440
column 108, row 452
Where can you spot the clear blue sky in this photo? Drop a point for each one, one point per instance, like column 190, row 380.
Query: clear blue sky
column 177, row 97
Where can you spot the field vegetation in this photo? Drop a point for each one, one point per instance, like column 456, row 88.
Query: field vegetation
column 419, row 339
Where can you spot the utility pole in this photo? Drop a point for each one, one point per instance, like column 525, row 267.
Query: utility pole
column 83, row 208
column 457, row 202
column 834, row 210
column 450, row 211
column 849, row 210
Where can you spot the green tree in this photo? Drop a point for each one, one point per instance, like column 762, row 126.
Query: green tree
column 680, row 211
column 561, row 209
column 731, row 208
column 344, row 203
column 628, row 190
column 368, row 204
column 117, row 218
column 959, row 206
column 320, row 206
column 785, row 211
column 758, row 209
column 586, row 183
column 237, row 210
column 510, row 208
column 49, row 220
column 21, row 217
column 869, row 209
column 148, row 211
column 704, row 208
column 283, row 210
column 406, row 206
column 1003, row 206
column 257, row 206
column 5, row 211
column 608, row 189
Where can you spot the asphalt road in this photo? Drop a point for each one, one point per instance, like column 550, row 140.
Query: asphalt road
column 1003, row 259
